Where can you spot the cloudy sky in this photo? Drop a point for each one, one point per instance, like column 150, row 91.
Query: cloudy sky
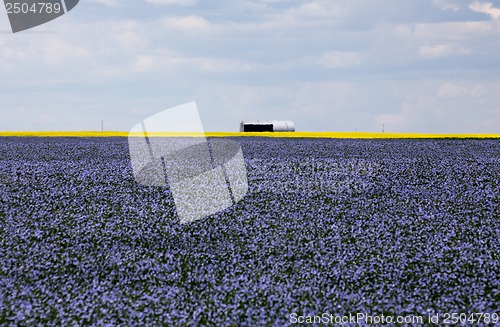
column 336, row 65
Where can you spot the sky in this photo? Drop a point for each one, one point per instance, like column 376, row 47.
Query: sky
column 430, row 66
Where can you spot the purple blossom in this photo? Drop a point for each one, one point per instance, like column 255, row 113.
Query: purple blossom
column 377, row 226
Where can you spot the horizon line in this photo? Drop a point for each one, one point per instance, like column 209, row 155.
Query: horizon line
column 328, row 134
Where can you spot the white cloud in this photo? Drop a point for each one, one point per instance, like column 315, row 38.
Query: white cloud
column 159, row 61
column 451, row 90
column 187, row 23
column 446, row 5
column 455, row 31
column 107, row 3
column 443, row 106
column 403, row 43
column 59, row 51
column 338, row 59
column 218, row 65
column 325, row 98
column 311, row 105
column 316, row 9
column 392, row 120
column 172, row 2
column 442, row 50
column 486, row 8
column 164, row 60
column 416, row 114
column 270, row 55
column 275, row 1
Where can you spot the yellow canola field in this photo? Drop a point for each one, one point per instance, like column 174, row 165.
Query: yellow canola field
column 347, row 135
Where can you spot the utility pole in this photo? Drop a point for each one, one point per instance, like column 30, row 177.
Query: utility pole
column 383, row 128
column 102, row 126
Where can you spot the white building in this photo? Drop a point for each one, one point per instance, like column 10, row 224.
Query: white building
column 267, row 126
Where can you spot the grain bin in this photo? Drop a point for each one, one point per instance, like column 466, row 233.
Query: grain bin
column 267, row 126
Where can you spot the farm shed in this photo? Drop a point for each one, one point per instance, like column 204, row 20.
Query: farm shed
column 267, row 126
